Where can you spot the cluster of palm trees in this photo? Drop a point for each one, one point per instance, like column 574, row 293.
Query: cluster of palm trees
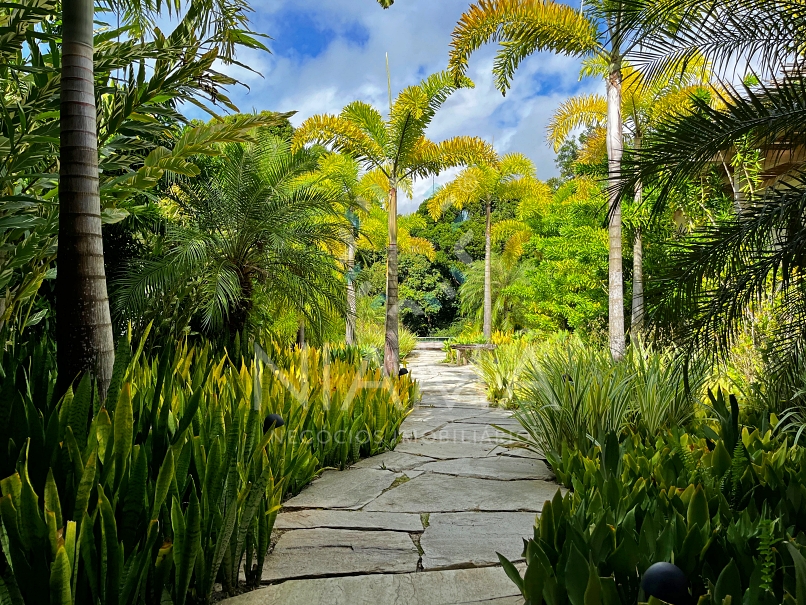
column 670, row 71
column 656, row 58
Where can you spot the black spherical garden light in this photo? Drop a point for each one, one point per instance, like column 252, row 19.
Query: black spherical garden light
column 403, row 372
column 666, row 582
column 272, row 421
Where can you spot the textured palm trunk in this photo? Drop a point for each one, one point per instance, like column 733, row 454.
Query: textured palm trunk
column 637, row 320
column 615, row 270
column 488, row 285
column 350, row 335
column 391, row 356
column 84, row 327
column 301, row 335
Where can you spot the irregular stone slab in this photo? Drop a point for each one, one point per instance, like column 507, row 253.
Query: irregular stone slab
column 455, row 587
column 501, row 468
column 447, row 450
column 468, row 433
column 519, row 452
column 316, row 553
column 342, row 519
column 453, row 402
column 425, row 420
column 443, row 493
column 393, row 461
column 350, row 489
column 454, row 540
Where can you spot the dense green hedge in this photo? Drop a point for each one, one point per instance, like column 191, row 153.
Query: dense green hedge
column 726, row 504
column 172, row 484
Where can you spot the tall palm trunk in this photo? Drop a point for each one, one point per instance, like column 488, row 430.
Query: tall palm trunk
column 350, row 336
column 488, row 285
column 614, row 153
column 84, row 327
column 637, row 320
column 391, row 357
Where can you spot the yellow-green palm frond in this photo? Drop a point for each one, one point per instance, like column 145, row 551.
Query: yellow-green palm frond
column 504, row 230
column 674, row 103
column 514, row 234
column 439, row 201
column 374, row 187
column 428, row 158
column 513, row 248
column 415, row 108
column 368, row 120
column 341, row 135
column 596, row 66
column 527, row 190
column 535, row 205
column 409, row 244
column 583, row 110
column 374, row 234
column 516, row 165
column 594, row 150
column 523, row 27
column 411, row 221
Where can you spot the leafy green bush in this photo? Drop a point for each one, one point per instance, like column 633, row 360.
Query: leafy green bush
column 727, row 507
column 502, row 369
column 173, row 483
column 572, row 391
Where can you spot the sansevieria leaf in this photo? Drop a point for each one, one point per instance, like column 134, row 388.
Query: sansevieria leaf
column 60, row 592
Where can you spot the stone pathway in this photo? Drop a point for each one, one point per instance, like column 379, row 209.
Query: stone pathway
column 420, row 525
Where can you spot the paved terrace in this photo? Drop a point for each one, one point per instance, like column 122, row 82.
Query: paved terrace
column 420, row 525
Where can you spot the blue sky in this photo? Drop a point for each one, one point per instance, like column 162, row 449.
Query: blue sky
column 327, row 53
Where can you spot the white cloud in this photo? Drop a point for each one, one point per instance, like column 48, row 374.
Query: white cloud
column 416, row 34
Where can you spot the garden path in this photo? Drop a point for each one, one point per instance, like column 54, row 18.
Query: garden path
column 420, row 525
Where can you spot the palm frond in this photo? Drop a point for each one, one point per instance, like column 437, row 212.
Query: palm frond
column 523, row 27
column 576, row 112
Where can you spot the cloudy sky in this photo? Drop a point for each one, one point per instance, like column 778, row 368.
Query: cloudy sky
column 327, row 53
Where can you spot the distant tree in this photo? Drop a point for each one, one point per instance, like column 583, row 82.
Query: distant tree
column 398, row 148
column 511, row 177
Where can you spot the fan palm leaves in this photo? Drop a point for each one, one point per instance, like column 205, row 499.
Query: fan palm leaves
column 512, row 177
column 607, row 30
column 253, row 225
column 397, row 148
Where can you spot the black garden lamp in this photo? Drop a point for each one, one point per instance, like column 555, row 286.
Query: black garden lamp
column 666, row 582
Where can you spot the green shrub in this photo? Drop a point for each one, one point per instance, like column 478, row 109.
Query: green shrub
column 501, row 370
column 727, row 507
column 174, row 482
column 570, row 392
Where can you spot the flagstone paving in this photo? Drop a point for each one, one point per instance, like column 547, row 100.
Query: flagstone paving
column 421, row 524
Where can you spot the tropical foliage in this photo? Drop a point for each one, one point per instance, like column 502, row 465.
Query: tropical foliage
column 398, row 149
column 174, row 483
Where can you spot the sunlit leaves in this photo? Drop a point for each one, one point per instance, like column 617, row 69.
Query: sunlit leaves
column 522, row 27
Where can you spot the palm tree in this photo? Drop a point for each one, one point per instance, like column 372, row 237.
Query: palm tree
column 758, row 253
column 83, row 320
column 84, row 327
column 339, row 176
column 511, row 177
column 507, row 311
column 253, row 227
column 644, row 104
column 398, row 148
column 604, row 29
